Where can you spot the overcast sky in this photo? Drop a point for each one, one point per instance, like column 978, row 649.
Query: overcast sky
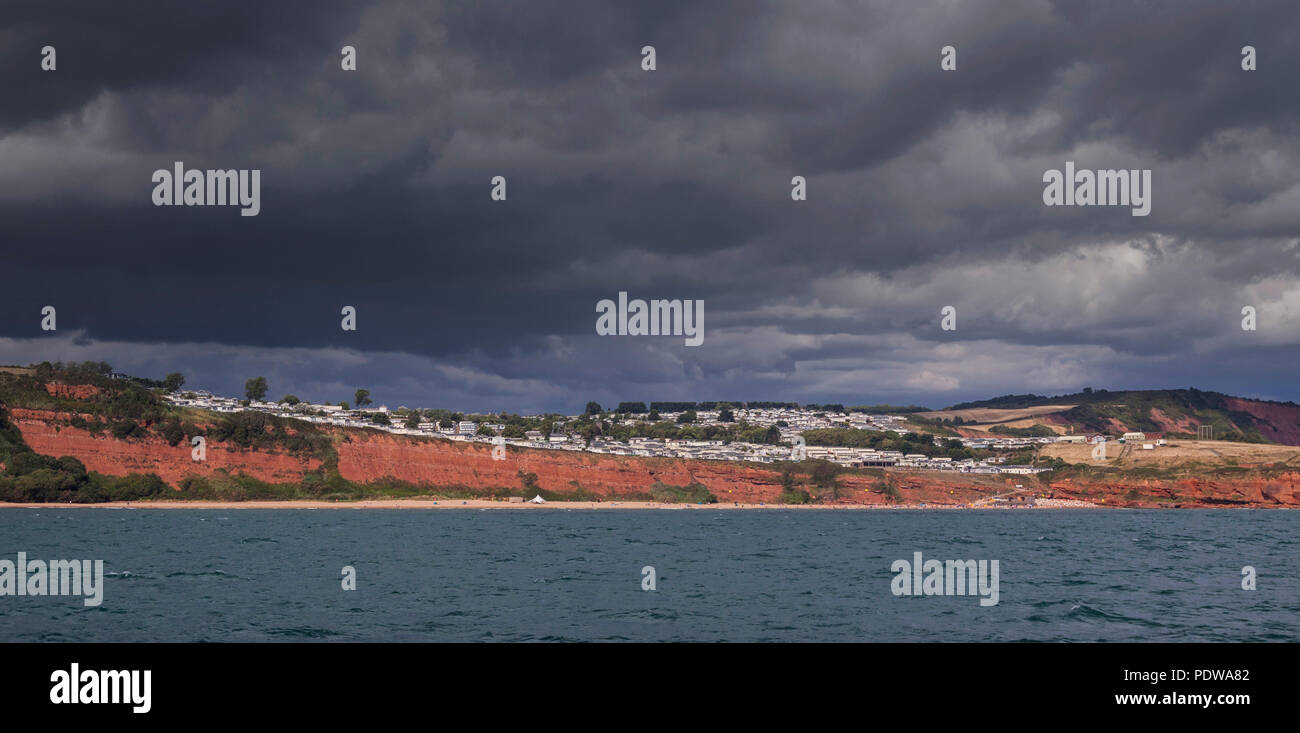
column 924, row 190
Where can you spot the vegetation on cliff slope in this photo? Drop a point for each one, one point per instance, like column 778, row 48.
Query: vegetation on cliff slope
column 1099, row 411
column 922, row 443
column 693, row 493
column 30, row 476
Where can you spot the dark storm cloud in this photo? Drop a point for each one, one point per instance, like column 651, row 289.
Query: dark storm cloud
column 204, row 48
column 924, row 190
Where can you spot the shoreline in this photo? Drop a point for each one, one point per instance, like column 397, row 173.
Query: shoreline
column 435, row 504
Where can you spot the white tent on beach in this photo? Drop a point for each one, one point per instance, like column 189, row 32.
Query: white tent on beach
column 537, row 500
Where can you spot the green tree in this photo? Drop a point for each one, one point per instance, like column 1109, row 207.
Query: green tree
column 726, row 415
column 255, row 389
column 173, row 381
column 290, row 399
column 171, row 430
column 413, row 420
column 686, row 417
column 791, row 493
column 593, row 408
column 362, row 398
column 825, row 475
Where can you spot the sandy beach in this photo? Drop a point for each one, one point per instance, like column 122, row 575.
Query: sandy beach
column 490, row 504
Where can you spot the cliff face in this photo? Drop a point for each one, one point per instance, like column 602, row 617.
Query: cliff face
column 1278, row 491
column 1279, row 423
column 366, row 456
column 370, row 455
column 105, row 454
column 72, row 391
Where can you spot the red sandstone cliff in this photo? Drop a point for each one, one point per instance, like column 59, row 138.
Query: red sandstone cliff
column 44, row 433
column 368, row 455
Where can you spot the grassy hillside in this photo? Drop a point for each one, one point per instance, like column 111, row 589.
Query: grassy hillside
column 1174, row 411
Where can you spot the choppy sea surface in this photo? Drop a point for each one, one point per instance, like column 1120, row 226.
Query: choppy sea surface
column 574, row 575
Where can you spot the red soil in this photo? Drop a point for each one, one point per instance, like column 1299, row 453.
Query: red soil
column 370, row 455
column 1281, row 423
column 1282, row 490
column 367, row 455
column 74, row 391
column 1171, row 425
column 108, row 455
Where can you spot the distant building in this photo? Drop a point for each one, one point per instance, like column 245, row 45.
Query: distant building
column 467, row 427
column 1134, row 437
column 1019, row 469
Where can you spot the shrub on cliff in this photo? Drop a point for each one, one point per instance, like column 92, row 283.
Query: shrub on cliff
column 124, row 429
column 825, row 476
column 581, row 493
column 170, row 430
column 45, row 484
column 695, row 493
column 794, row 496
column 129, row 401
column 134, row 487
column 528, row 481
column 116, row 399
column 791, row 492
column 11, row 438
column 260, row 431
column 890, row 490
column 221, row 486
column 27, row 461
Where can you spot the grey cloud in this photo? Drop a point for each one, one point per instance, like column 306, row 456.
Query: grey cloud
column 924, row 190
